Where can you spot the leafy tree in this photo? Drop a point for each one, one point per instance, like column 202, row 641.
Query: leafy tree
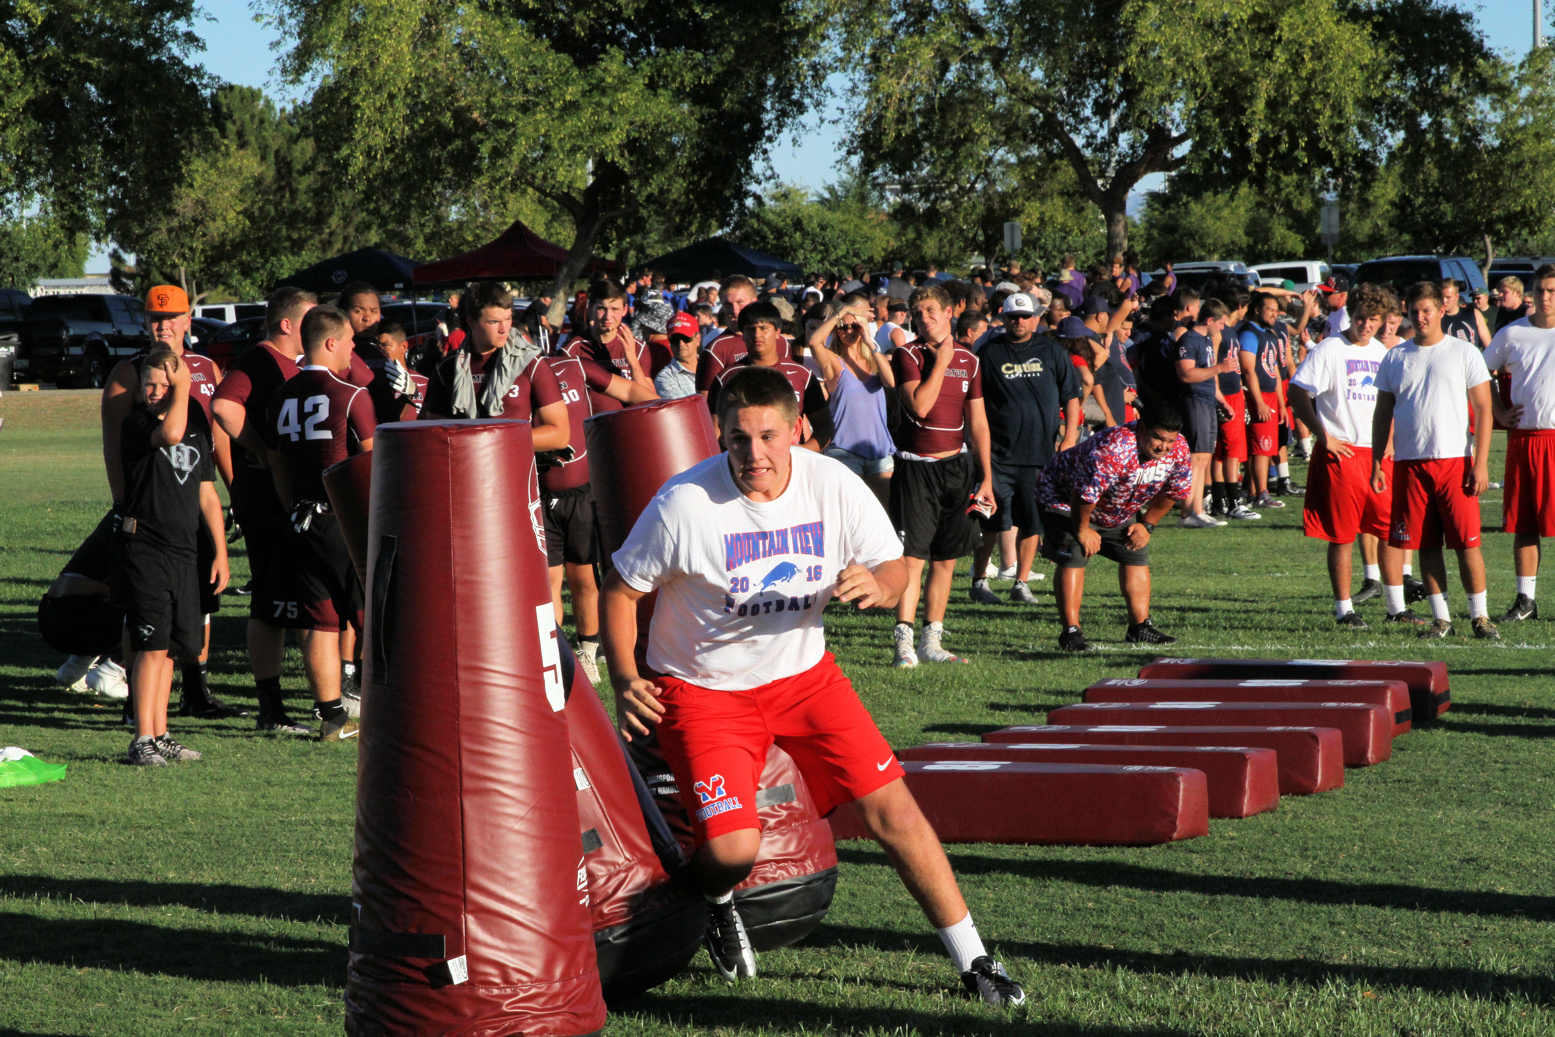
column 38, row 246
column 1119, row 89
column 603, row 110
column 828, row 233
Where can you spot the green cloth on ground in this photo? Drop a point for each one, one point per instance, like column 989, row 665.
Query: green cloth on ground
column 20, row 767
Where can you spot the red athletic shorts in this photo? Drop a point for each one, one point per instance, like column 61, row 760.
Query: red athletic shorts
column 1430, row 507
column 1340, row 502
column 1232, row 444
column 1528, row 502
column 1264, row 437
column 716, row 744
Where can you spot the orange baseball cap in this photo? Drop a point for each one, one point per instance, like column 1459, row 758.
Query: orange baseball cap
column 167, row 300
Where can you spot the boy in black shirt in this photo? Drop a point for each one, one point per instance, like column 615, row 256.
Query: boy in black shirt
column 169, row 480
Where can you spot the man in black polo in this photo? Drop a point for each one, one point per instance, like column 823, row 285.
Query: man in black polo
column 1032, row 392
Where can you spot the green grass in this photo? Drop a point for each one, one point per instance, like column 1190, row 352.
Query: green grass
column 1414, row 901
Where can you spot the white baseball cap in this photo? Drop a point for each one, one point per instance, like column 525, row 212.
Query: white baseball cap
column 1020, row 303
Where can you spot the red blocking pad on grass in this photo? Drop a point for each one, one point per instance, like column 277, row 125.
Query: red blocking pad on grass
column 1243, row 781
column 1051, row 804
column 1367, row 731
column 1428, row 694
column 1311, row 759
column 1392, row 694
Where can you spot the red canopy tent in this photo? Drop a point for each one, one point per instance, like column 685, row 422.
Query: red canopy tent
column 519, row 253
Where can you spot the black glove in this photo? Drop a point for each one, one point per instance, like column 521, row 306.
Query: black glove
column 230, row 524
column 548, row 459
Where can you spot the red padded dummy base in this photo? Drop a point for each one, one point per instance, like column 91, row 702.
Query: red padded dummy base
column 1243, row 781
column 1367, row 730
column 1051, row 804
column 1428, row 694
column 1311, row 759
column 1392, row 694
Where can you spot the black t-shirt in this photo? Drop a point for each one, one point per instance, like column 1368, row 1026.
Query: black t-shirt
column 1113, row 377
column 1158, row 379
column 1025, row 387
column 94, row 558
column 1462, row 325
column 162, row 484
column 1198, row 348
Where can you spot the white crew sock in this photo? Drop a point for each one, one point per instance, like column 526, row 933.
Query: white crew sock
column 1306, row 444
column 1439, row 608
column 1374, row 572
column 1409, row 570
column 1526, row 584
column 1477, row 605
column 1342, row 607
column 962, row 943
column 1284, row 470
column 726, row 898
column 1395, row 598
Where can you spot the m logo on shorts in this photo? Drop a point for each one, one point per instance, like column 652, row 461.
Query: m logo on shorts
column 711, row 789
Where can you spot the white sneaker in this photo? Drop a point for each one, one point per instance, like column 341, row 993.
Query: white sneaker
column 1007, row 573
column 905, row 656
column 1242, row 511
column 929, row 647
column 590, row 666
column 1200, row 521
column 108, row 679
column 72, row 673
column 990, row 571
column 1022, row 593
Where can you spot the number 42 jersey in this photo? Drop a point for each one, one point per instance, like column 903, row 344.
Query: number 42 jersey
column 742, row 583
column 315, row 420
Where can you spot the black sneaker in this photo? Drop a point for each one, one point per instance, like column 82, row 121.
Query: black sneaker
column 1146, row 634
column 341, row 729
column 281, row 724
column 1071, row 640
column 144, row 754
column 1407, row 618
column 1523, row 607
column 1352, row 621
column 212, row 708
column 1369, row 589
column 244, row 591
column 1439, row 629
column 1286, row 488
column 1484, row 629
column 727, row 944
column 1414, row 590
column 988, row 980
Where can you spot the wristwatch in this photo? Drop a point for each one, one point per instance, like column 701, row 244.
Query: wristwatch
column 1139, row 517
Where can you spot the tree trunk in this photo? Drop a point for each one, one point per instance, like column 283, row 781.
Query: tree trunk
column 587, row 226
column 1115, row 211
column 1490, row 257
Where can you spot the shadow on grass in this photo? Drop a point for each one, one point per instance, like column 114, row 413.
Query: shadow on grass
column 199, row 954
column 251, row 901
column 1506, row 730
column 1103, row 874
column 755, row 1015
column 1481, row 709
column 960, row 729
column 1477, row 983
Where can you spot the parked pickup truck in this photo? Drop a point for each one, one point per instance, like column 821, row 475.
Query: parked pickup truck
column 75, row 340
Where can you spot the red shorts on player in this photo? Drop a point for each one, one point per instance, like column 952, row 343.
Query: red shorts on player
column 1232, row 444
column 1528, row 504
column 1263, row 437
column 716, row 744
column 1431, row 507
column 1340, row 503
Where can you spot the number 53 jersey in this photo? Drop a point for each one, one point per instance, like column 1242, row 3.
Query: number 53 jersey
column 742, row 583
column 315, row 420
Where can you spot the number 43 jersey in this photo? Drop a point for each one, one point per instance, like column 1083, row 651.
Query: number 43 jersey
column 315, row 420
column 742, row 583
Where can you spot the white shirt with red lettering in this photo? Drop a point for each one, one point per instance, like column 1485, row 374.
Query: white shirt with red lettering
column 742, row 583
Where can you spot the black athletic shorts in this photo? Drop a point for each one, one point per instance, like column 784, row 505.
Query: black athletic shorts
column 205, row 557
column 81, row 624
column 1015, row 491
column 1200, row 423
column 328, row 592
column 265, row 538
column 1061, row 547
column 928, row 505
column 569, row 525
column 160, row 593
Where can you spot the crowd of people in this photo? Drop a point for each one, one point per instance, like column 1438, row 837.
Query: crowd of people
column 1005, row 413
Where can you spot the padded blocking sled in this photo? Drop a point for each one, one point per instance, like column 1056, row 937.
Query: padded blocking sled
column 1392, row 694
column 1051, row 804
column 1429, row 697
column 1242, row 780
column 469, row 896
column 1311, row 759
column 1367, row 731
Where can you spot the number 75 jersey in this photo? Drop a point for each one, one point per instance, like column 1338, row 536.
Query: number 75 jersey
column 315, row 420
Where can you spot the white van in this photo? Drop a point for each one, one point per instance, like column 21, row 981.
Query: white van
column 231, row 312
column 1303, row 273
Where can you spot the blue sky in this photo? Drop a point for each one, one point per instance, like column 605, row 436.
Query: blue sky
column 241, row 50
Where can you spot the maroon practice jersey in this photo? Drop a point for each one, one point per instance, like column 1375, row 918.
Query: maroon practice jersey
column 314, row 421
column 535, row 388
column 250, row 382
column 724, row 352
column 579, row 396
column 610, row 354
column 807, row 387
column 943, row 428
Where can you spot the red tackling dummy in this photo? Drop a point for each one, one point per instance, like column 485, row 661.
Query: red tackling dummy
column 632, row 452
column 1051, row 804
column 1311, row 759
column 1392, row 694
column 470, row 895
column 1428, row 694
column 1243, row 781
column 1366, row 730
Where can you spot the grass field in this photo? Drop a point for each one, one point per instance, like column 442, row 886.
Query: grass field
column 1416, row 901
